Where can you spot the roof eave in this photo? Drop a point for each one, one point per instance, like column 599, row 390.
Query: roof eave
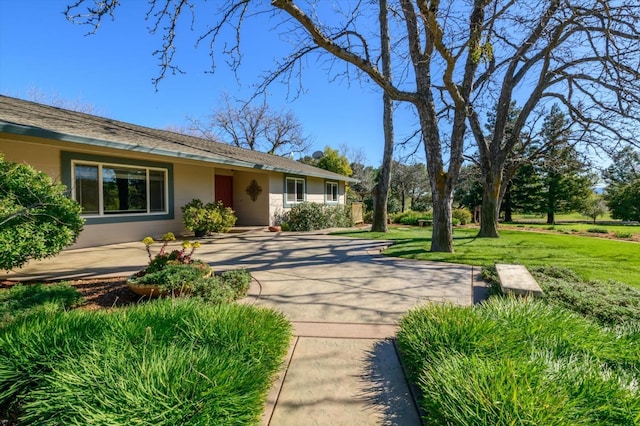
column 38, row 132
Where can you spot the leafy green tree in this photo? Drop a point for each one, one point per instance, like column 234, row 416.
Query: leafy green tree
column 624, row 201
column 594, row 207
column 567, row 183
column 624, row 169
column 333, row 161
column 525, row 192
column 469, row 187
column 366, row 176
column 409, row 184
column 37, row 219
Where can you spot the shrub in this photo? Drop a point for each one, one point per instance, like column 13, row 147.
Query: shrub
column 205, row 218
column 623, row 234
column 227, row 287
column 607, row 302
column 306, row 217
column 237, row 279
column 463, row 215
column 410, row 217
column 368, row 216
column 597, row 231
column 455, row 221
column 168, row 362
column 174, row 277
column 314, row 216
column 338, row 216
column 38, row 219
column 22, row 299
column 513, row 361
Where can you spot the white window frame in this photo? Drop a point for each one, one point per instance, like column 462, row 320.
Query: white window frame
column 328, row 194
column 100, row 166
column 298, row 199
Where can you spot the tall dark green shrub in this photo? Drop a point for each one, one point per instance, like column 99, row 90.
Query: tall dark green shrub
column 37, row 219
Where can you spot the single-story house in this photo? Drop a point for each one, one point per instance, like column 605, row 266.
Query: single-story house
column 131, row 181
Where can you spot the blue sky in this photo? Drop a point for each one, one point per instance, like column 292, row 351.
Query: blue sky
column 113, row 70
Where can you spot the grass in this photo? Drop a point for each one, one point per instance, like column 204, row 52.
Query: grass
column 168, row 362
column 590, row 258
column 21, row 300
column 581, row 227
column 564, row 217
column 511, row 361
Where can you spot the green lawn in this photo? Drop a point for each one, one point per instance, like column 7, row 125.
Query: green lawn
column 579, row 227
column 590, row 258
column 564, row 217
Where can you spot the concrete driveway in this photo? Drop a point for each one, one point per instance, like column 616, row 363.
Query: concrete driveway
column 344, row 299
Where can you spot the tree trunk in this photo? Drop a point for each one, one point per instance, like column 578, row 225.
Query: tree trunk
column 551, row 198
column 490, row 207
column 379, row 222
column 551, row 217
column 507, row 204
column 442, row 235
column 381, row 194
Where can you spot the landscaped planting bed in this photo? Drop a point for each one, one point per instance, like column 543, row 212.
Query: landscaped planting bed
column 166, row 362
column 512, row 361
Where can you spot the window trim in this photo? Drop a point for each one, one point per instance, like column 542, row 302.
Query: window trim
column 287, row 203
column 70, row 159
column 326, row 192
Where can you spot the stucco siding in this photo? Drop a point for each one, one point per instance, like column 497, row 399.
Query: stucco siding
column 276, row 198
column 249, row 212
column 41, row 157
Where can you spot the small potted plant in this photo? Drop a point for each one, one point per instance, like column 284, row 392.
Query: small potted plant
column 169, row 272
column 205, row 218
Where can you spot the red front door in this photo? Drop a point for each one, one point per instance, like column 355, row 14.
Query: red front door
column 224, row 190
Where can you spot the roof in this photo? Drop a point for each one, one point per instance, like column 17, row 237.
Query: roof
column 22, row 117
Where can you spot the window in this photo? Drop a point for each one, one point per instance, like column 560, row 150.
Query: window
column 294, row 190
column 331, row 192
column 112, row 189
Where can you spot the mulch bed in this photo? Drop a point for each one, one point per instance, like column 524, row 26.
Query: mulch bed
column 99, row 293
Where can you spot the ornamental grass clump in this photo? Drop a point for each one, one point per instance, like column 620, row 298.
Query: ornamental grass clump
column 527, row 362
column 171, row 362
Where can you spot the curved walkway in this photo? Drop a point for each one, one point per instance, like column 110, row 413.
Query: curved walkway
column 344, row 300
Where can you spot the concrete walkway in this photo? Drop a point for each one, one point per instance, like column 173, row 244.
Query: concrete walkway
column 344, row 300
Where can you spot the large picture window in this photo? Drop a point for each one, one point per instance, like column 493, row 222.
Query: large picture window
column 114, row 189
column 295, row 190
column 331, row 192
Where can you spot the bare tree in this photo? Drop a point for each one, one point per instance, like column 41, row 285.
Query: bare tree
column 454, row 61
column 581, row 53
column 56, row 100
column 257, row 128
